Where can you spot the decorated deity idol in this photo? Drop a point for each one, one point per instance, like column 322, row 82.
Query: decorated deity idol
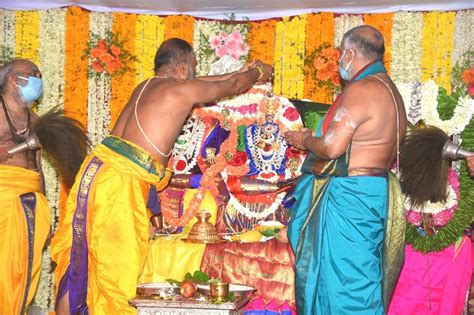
column 234, row 161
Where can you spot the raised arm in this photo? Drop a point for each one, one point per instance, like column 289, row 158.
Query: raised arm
column 226, row 76
column 202, row 91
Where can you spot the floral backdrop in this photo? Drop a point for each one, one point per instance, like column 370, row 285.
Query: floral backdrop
column 92, row 61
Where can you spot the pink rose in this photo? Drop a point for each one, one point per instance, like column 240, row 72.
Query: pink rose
column 442, row 218
column 221, row 51
column 414, row 217
column 470, row 89
column 231, row 45
column 236, row 36
column 242, row 49
column 223, row 35
column 291, row 114
column 215, row 42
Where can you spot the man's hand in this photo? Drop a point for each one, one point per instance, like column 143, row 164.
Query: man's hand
column 249, row 66
column 470, row 165
column 266, row 72
column 296, row 138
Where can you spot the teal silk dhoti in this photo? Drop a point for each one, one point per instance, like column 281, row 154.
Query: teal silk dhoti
column 347, row 232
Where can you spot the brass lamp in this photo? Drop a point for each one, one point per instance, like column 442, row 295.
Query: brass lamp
column 203, row 231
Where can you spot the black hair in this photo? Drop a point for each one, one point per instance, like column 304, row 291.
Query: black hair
column 172, row 51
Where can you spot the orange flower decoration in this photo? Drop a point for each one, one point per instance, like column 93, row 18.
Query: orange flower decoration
column 115, row 50
column 468, row 76
column 321, row 66
column 97, row 67
column 109, row 56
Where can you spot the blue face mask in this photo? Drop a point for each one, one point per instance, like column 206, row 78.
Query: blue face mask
column 32, row 90
column 344, row 71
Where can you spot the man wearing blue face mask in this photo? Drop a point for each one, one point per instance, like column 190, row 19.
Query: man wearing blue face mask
column 24, row 212
column 347, row 225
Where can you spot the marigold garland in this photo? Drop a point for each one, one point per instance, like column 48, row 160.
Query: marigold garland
column 289, row 57
column 180, row 26
column 321, row 28
column 437, row 45
column 75, row 67
column 122, row 85
column 27, row 35
column 207, row 184
column 150, row 33
column 384, row 23
column 278, row 61
column 261, row 40
column 444, row 50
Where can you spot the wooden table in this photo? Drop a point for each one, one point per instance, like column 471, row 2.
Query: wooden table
column 151, row 306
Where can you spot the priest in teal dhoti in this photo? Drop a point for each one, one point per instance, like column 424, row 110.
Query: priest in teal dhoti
column 347, row 225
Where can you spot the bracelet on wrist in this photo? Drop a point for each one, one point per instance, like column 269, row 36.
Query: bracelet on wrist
column 260, row 71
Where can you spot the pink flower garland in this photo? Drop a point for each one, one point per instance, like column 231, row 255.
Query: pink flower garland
column 443, row 217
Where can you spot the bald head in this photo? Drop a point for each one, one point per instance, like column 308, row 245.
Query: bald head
column 171, row 52
column 365, row 39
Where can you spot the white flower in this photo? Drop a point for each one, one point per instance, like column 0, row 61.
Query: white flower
column 406, row 47
column 429, row 104
column 435, row 207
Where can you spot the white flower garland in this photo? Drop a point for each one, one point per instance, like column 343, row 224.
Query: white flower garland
column 187, row 146
column 257, row 98
column 7, row 32
column 243, row 210
column 344, row 23
column 435, row 207
column 51, row 56
column 406, row 47
column 98, row 117
column 429, row 103
column 463, row 30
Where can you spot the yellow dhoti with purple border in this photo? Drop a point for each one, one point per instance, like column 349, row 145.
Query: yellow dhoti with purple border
column 101, row 245
column 24, row 227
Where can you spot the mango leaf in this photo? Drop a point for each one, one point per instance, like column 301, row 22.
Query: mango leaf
column 188, row 276
column 200, row 276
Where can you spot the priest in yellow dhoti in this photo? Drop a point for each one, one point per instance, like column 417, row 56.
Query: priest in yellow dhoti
column 101, row 245
column 24, row 227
